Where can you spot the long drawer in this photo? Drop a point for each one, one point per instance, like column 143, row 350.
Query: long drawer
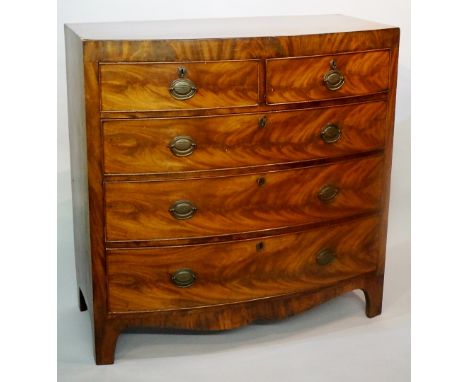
column 206, row 143
column 215, row 206
column 199, row 275
column 172, row 86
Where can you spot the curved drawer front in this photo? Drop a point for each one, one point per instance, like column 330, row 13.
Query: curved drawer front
column 216, row 206
column 303, row 79
column 205, row 143
column 151, row 279
column 162, row 86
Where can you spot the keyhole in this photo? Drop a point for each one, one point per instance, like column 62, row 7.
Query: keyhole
column 260, row 246
column 182, row 72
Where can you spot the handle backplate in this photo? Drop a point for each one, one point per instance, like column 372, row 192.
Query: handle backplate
column 325, row 256
column 183, row 278
column 182, row 146
column 328, row 193
column 333, row 79
column 330, row 133
column 182, row 88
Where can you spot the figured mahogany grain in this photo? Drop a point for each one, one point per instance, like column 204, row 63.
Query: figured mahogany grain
column 301, row 79
column 140, row 210
column 145, row 86
column 142, row 146
column 239, row 48
column 85, row 55
column 230, row 316
column 140, row 280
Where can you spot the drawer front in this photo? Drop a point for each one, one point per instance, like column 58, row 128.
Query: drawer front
column 191, row 276
column 205, row 143
column 303, row 79
column 224, row 205
column 142, row 87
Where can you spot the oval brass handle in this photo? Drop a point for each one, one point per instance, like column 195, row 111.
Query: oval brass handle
column 330, row 133
column 333, row 79
column 325, row 256
column 328, row 193
column 182, row 146
column 183, row 278
column 183, row 209
column 182, row 88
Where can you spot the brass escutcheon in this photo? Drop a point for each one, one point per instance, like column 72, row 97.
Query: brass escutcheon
column 261, row 181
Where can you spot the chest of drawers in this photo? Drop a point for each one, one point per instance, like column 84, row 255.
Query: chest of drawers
column 227, row 171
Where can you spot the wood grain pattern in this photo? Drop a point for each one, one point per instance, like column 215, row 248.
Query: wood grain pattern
column 84, row 58
column 230, row 316
column 96, row 212
column 240, row 48
column 144, row 86
column 388, row 155
column 87, row 184
column 260, row 108
column 140, row 280
column 301, row 79
column 139, row 210
column 142, row 146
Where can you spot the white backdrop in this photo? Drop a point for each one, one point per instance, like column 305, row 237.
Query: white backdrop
column 375, row 349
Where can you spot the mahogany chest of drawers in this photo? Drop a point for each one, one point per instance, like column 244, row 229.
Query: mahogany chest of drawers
column 227, row 171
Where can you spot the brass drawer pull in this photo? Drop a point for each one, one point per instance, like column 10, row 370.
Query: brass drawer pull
column 328, row 193
column 333, row 79
column 183, row 209
column 183, row 278
column 182, row 88
column 330, row 133
column 262, row 122
column 325, row 256
column 182, row 146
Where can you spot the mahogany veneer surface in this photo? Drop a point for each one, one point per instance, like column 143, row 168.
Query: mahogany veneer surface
column 287, row 177
column 144, row 86
column 142, row 145
column 232, row 204
column 301, row 79
column 237, row 271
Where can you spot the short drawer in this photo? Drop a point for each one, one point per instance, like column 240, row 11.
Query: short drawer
column 206, row 143
column 327, row 77
column 168, row 86
column 216, row 206
column 199, row 275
